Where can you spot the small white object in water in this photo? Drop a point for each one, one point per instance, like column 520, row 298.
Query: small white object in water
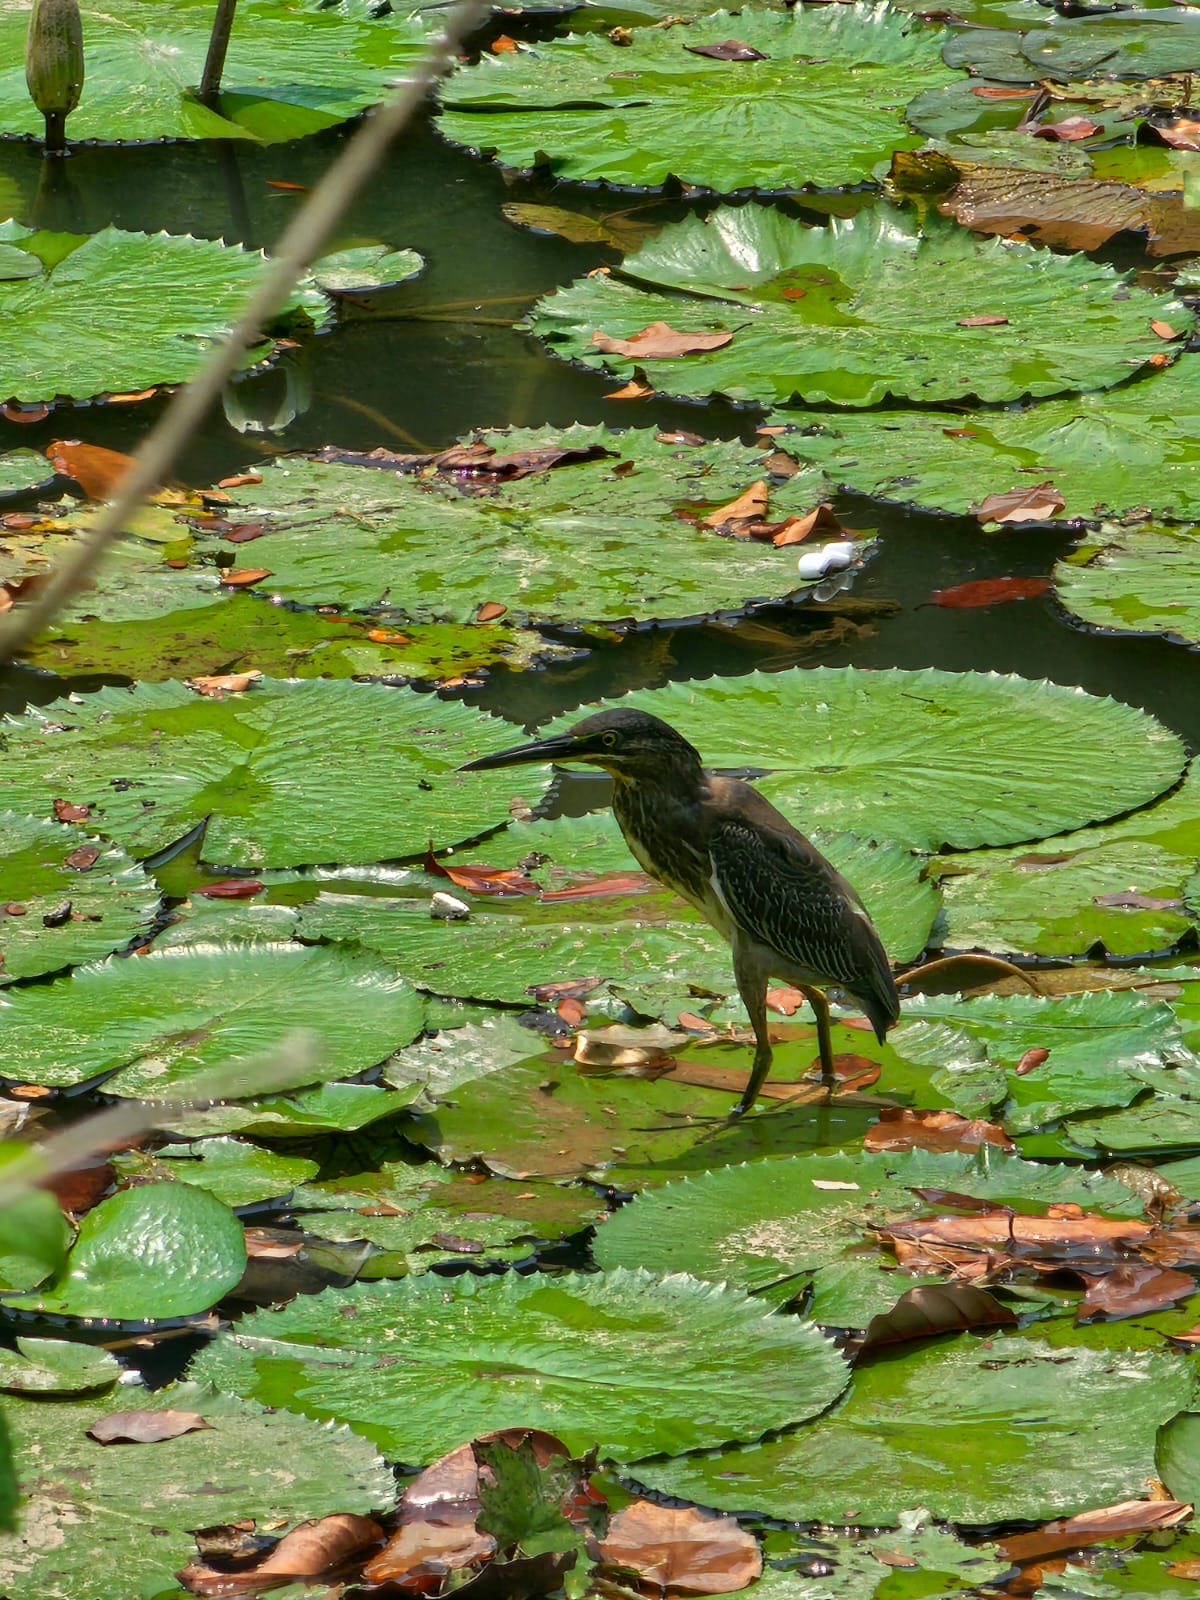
column 448, row 908
column 815, row 563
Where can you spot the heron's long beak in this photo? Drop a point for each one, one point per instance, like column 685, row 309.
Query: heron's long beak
column 563, row 747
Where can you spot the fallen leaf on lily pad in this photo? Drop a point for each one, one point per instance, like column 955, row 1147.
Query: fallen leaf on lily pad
column 901, row 1129
column 659, row 339
column 1068, row 129
column 1021, row 505
column 681, row 1550
column 304, row 1555
column 144, row 1427
column 223, row 683
column 1108, row 1522
column 727, row 50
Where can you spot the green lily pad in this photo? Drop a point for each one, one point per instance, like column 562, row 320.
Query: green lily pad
column 236, row 1171
column 765, row 1223
column 22, row 471
column 925, row 757
column 623, row 1360
column 241, row 630
column 290, row 71
column 819, row 105
column 1142, row 579
column 34, row 1234
column 286, row 773
column 56, row 1366
column 1138, row 447
column 325, row 1108
column 975, row 1430
column 870, row 308
column 637, row 937
column 173, row 296
column 58, row 911
column 1149, row 45
column 360, row 268
column 616, row 533
column 1102, row 1049
column 162, row 1018
column 118, row 1519
column 161, row 1250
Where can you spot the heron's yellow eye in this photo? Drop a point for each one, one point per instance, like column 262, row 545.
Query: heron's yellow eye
column 609, row 741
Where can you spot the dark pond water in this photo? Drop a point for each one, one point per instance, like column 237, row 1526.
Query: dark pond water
column 440, row 356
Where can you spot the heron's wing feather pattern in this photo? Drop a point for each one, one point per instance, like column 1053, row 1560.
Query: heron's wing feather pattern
column 780, row 888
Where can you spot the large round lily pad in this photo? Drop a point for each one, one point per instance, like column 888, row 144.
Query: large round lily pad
column 870, row 307
column 1137, row 447
column 172, row 297
column 161, row 1018
column 624, row 1360
column 286, row 773
column 67, row 897
column 926, row 757
column 977, row 1430
column 103, row 1520
column 1142, row 579
column 612, row 526
column 291, row 70
column 818, row 103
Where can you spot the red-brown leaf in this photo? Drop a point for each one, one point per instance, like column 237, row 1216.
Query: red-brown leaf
column 67, row 811
column 480, row 879
column 989, row 592
column 727, row 50
column 750, row 505
column 231, row 889
column 1031, row 1060
column 309, row 1551
column 596, row 888
column 489, row 611
column 1133, row 1289
column 83, row 858
column 1108, row 1522
column 1065, row 131
column 218, row 686
column 245, row 576
column 96, row 470
column 901, row 1129
column 983, row 321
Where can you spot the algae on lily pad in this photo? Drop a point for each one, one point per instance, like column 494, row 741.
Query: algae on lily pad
column 816, row 100
column 584, row 523
column 67, row 897
column 172, row 296
column 871, row 307
column 1137, row 447
column 285, row 773
column 624, row 1360
column 158, row 1020
column 925, row 757
column 291, row 70
column 102, row 1520
column 975, row 1429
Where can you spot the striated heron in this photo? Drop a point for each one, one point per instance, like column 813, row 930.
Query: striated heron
column 786, row 911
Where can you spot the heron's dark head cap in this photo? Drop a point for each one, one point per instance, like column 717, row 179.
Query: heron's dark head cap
column 629, row 744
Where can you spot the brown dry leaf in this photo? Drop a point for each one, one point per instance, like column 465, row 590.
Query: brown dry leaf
column 936, row 1308
column 245, row 576
column 489, row 611
column 502, row 45
column 988, row 92
column 820, row 520
column 83, row 858
column 680, row 1550
column 619, row 1046
column 1107, row 1522
column 1164, row 330
column 221, row 684
column 13, row 411
column 1133, row 1289
column 96, row 470
column 264, row 1244
column 573, row 1012
column 547, row 993
column 1142, row 902
column 230, row 889
column 306, row 1554
column 751, row 504
column 480, row 879
column 1072, row 213
column 1068, row 129
column 144, row 1427
column 780, row 464
column 1189, row 1568
column 727, row 50
column 658, row 340
column 239, row 480
column 1182, row 134
column 983, row 321
column 1091, row 1239
column 387, row 636
column 635, row 389
column 901, row 1129
column 68, row 811
column 989, row 592
column 680, row 436
column 1021, row 505
column 429, row 1549
column 786, row 1001
column 1031, row 1060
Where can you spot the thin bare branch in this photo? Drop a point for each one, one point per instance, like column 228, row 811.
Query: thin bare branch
column 300, row 243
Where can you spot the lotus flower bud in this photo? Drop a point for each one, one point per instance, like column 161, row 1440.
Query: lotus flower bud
column 54, row 64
